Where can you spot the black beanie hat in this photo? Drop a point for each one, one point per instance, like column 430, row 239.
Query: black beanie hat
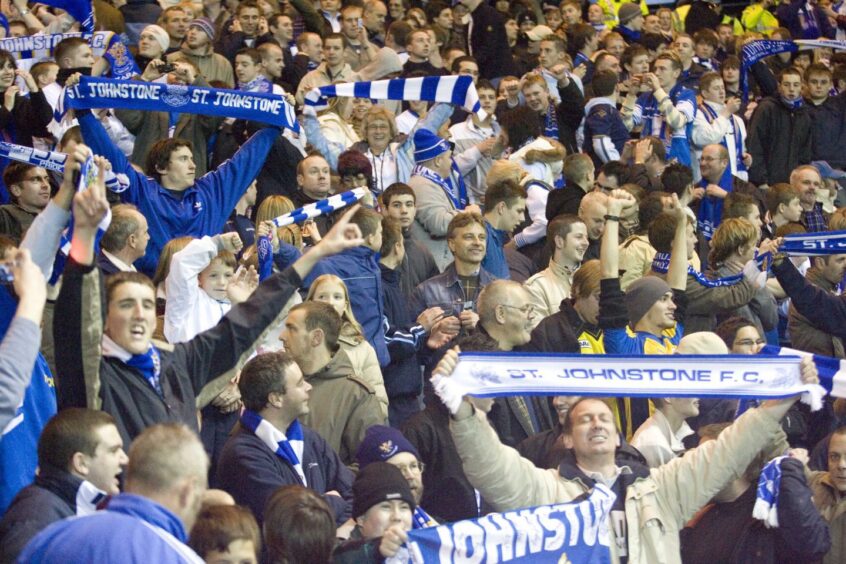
column 378, row 482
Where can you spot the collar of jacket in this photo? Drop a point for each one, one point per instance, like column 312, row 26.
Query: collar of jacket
column 569, row 469
column 149, row 511
column 338, row 367
column 390, row 276
column 562, row 271
column 574, row 320
column 450, row 276
column 60, row 482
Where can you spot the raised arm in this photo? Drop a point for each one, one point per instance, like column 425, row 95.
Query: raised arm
column 677, row 270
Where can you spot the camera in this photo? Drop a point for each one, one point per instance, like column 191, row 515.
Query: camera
column 165, row 68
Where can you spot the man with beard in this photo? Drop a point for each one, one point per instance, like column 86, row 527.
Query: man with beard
column 198, row 48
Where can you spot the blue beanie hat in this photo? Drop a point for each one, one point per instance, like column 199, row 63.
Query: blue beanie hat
column 381, row 443
column 427, row 145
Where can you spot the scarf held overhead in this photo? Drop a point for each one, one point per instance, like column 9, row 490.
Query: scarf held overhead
column 456, row 90
column 711, row 376
column 158, row 97
column 31, row 49
column 564, row 532
column 754, row 51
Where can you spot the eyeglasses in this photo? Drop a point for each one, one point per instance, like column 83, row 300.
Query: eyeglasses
column 527, row 309
column 749, row 342
column 413, row 468
column 378, row 126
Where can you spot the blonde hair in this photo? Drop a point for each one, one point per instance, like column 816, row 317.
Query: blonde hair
column 171, row 248
column 502, row 170
column 271, row 208
column 379, row 112
column 350, row 327
column 730, row 236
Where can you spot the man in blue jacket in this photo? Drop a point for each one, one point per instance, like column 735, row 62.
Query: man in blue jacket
column 165, row 482
column 169, row 195
column 254, row 464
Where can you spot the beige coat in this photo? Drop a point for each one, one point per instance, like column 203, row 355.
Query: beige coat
column 831, row 504
column 365, row 365
column 548, row 287
column 656, row 507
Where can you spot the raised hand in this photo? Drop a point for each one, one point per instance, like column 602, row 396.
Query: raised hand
column 231, row 242
column 90, row 206
column 242, row 284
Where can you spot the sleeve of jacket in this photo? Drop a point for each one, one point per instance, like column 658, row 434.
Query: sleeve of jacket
column 686, row 484
column 366, row 413
column 43, row 236
column 536, row 208
column 183, row 287
column 250, row 477
column 78, row 325
column 571, row 109
column 721, row 298
column 97, row 138
column 338, row 478
column 39, row 113
column 311, row 17
column 705, row 133
column 758, row 132
column 314, row 134
column 434, row 210
column 18, row 352
column 765, row 78
column 827, row 311
column 213, row 352
column 505, row 479
column 807, row 532
column 229, row 181
column 612, row 311
column 764, row 305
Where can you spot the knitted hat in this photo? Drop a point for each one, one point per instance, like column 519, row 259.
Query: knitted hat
column 376, row 483
column 642, row 295
column 427, row 145
column 703, row 342
column 204, row 24
column 628, row 12
column 539, row 32
column 160, row 34
column 382, row 443
column 527, row 17
column 354, row 162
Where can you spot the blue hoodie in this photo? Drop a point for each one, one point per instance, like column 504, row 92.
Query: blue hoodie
column 203, row 208
column 132, row 529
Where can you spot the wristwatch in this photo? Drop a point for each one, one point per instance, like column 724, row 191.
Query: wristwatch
column 24, row 11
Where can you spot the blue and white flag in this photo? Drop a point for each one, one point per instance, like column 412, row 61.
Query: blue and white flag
column 754, row 51
column 456, row 90
column 31, row 49
column 81, row 10
column 323, row 207
column 564, row 532
column 766, row 496
column 832, row 371
column 159, row 97
column 815, row 244
column 646, row 376
column 56, row 161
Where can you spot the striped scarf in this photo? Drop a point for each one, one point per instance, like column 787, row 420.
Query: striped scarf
column 288, row 445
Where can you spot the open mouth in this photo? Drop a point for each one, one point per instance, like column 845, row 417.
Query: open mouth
column 137, row 331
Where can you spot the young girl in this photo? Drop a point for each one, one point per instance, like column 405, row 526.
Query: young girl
column 200, row 286
column 330, row 289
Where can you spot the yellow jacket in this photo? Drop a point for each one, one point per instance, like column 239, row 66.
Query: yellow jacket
column 757, row 18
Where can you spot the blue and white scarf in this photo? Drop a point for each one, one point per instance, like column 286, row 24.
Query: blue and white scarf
column 564, row 532
column 661, row 264
column 149, row 364
column 265, row 257
column 122, row 64
column 323, row 207
column 56, row 161
column 420, row 519
column 457, row 196
column 766, row 497
column 832, row 371
column 258, row 84
column 550, row 122
column 81, row 10
column 288, row 445
column 737, row 158
column 711, row 208
column 815, row 244
column 160, row 97
column 700, row 376
column 808, row 21
column 456, row 90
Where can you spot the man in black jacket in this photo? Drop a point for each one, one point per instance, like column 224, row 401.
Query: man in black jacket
column 487, row 40
column 80, row 456
column 780, row 133
column 132, row 379
column 275, row 393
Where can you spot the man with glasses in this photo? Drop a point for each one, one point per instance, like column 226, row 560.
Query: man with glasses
column 29, row 188
column 386, row 444
column 718, row 182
